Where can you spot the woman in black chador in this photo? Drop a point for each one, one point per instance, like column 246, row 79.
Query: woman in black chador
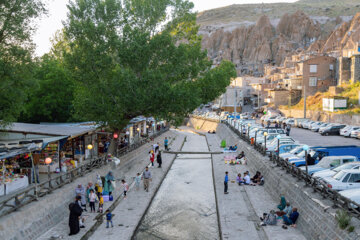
column 75, row 213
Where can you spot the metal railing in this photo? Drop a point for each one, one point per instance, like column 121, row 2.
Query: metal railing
column 14, row 201
column 316, row 184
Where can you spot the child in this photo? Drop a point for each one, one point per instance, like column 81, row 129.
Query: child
column 101, row 203
column 137, row 181
column 109, row 218
column 125, row 186
column 92, row 198
column 98, row 190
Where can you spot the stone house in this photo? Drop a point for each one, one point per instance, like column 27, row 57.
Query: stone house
column 319, row 73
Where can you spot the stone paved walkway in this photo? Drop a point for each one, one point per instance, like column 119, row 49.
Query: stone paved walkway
column 134, row 205
column 241, row 208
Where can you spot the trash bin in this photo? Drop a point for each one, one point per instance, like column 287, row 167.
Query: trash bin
column 223, row 143
column 252, row 141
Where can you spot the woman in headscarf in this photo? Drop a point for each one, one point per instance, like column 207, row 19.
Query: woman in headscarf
column 80, row 191
column 159, row 159
column 75, row 213
column 282, row 203
column 108, row 187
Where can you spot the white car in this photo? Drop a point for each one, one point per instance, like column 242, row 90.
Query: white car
column 346, row 131
column 317, row 127
column 352, row 194
column 271, row 147
column 331, row 172
column 329, row 162
column 354, row 133
column 292, row 153
column 343, row 180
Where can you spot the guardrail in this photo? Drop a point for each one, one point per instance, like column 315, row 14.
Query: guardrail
column 14, row 201
column 317, row 185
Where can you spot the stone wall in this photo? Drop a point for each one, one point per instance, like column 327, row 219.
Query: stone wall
column 317, row 217
column 35, row 218
column 324, row 116
column 200, row 124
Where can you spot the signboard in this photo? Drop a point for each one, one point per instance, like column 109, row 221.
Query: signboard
column 332, row 104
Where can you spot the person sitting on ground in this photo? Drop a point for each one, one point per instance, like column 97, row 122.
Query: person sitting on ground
column 247, row 180
column 214, row 132
column 209, row 131
column 256, row 176
column 239, row 179
column 282, row 205
column 241, row 155
column 268, row 219
column 287, row 210
column 233, row 148
column 291, row 220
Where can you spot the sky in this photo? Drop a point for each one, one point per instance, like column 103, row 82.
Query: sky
column 48, row 25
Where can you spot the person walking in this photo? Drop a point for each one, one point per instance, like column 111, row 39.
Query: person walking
column 159, row 159
column 152, row 157
column 137, row 181
column 288, row 128
column 109, row 183
column 75, row 213
column 166, row 143
column 80, row 191
column 125, row 187
column 146, row 178
column 226, row 183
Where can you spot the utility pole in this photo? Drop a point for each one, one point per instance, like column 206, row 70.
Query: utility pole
column 258, row 99
column 235, row 103
column 304, row 100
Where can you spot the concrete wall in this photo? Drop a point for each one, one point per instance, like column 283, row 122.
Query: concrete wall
column 200, row 124
column 324, row 116
column 317, row 217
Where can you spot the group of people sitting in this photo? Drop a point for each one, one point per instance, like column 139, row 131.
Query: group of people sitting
column 233, row 148
column 213, row 131
column 288, row 214
column 258, row 179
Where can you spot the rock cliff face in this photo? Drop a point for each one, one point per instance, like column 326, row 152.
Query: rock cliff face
column 249, row 47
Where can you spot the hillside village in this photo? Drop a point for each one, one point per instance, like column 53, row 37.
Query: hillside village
column 295, row 71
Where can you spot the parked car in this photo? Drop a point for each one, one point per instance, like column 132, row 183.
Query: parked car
column 292, row 153
column 298, row 121
column 332, row 172
column 274, row 143
column 314, row 125
column 354, row 133
column 343, row 180
column 307, row 125
column 285, row 148
column 329, row 162
column 352, row 194
column 317, row 127
column 319, row 152
column 346, row 131
column 290, row 121
column 333, row 130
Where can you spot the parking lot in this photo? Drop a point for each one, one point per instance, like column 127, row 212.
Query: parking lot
column 315, row 139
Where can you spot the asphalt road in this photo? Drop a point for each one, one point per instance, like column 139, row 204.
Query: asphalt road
column 310, row 138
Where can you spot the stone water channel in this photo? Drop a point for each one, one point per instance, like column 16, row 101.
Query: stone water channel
column 184, row 206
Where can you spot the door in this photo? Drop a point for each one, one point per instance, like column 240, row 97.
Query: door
column 354, row 181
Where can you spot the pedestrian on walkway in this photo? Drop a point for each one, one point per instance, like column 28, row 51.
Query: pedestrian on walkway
column 226, row 183
column 152, row 157
column 80, row 191
column 146, row 178
column 125, row 187
column 137, row 181
column 109, row 183
column 101, row 203
column 109, row 216
column 75, row 213
column 93, row 199
column 166, row 144
column 159, row 159
column 88, row 188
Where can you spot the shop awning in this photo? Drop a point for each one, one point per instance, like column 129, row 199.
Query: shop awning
column 18, row 151
column 48, row 140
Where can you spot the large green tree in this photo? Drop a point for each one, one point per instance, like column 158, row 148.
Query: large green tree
column 16, row 27
column 139, row 57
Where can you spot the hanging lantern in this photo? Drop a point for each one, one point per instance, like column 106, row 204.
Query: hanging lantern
column 90, row 146
column 115, row 135
column 48, row 160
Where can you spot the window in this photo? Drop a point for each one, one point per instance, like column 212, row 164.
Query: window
column 313, row 68
column 347, row 160
column 335, row 163
column 331, row 67
column 346, row 178
column 354, row 178
column 313, row 81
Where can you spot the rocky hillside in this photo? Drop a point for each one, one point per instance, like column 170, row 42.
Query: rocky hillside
column 251, row 35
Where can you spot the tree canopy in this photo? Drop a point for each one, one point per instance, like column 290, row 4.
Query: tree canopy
column 139, row 57
column 16, row 63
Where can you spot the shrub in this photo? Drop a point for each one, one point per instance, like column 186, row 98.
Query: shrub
column 343, row 219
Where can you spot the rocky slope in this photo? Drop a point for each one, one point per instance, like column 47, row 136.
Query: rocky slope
column 232, row 33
